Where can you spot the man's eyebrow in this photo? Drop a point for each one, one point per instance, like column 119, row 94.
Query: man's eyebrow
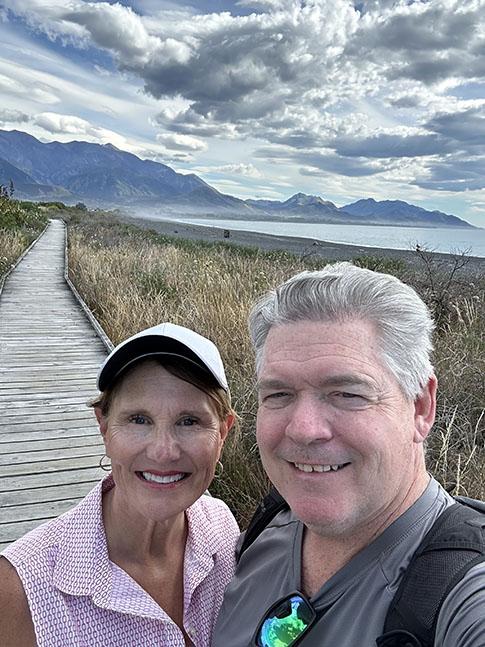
column 347, row 380
column 271, row 384
column 334, row 380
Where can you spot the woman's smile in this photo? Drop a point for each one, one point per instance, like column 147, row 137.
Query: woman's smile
column 162, row 479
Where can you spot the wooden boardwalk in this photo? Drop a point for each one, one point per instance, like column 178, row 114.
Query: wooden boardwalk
column 49, row 355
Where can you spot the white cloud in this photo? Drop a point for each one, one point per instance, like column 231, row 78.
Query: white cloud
column 319, row 85
column 17, row 85
column 247, row 170
column 177, row 142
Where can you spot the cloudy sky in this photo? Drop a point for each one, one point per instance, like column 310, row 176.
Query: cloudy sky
column 339, row 98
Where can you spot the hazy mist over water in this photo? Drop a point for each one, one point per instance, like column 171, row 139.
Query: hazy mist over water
column 437, row 240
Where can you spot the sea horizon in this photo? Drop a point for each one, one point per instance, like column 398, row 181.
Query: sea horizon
column 445, row 240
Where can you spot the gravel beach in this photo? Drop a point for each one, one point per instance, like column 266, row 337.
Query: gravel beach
column 300, row 246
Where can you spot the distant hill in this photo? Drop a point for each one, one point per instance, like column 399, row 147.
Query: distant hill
column 104, row 176
column 396, row 211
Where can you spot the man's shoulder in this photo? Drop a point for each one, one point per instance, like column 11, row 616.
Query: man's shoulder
column 445, row 580
column 461, row 620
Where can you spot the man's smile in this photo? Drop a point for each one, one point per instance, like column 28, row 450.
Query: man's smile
column 306, row 467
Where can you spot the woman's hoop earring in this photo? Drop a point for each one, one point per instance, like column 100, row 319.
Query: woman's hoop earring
column 105, row 466
column 219, row 470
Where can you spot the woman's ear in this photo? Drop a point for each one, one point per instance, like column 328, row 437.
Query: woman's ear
column 102, row 421
column 227, row 425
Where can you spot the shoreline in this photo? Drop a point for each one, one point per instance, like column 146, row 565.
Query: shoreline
column 300, row 246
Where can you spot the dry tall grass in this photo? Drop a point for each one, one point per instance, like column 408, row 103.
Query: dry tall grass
column 19, row 226
column 12, row 245
column 133, row 279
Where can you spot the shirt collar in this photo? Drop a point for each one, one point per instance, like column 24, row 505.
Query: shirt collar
column 83, row 567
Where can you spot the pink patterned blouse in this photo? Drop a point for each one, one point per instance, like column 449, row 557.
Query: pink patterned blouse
column 79, row 598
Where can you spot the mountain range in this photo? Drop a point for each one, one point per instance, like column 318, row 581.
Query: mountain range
column 101, row 175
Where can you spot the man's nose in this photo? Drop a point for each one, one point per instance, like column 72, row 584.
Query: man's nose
column 309, row 421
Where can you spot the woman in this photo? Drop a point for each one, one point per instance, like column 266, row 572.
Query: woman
column 144, row 559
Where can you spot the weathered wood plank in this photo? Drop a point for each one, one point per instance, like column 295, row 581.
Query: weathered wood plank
column 11, row 531
column 32, row 398
column 21, row 438
column 46, row 383
column 47, row 493
column 54, row 406
column 61, row 477
column 49, row 357
column 10, row 458
column 41, row 510
column 54, row 465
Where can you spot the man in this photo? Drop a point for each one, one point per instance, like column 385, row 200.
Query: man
column 347, row 398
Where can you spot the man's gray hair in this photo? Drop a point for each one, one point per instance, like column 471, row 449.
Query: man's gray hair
column 344, row 292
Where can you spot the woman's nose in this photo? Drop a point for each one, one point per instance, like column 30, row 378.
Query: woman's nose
column 309, row 422
column 163, row 446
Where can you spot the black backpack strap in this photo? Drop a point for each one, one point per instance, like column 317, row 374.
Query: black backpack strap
column 269, row 507
column 455, row 543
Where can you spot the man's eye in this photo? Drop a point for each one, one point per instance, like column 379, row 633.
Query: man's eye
column 275, row 396
column 139, row 419
column 349, row 400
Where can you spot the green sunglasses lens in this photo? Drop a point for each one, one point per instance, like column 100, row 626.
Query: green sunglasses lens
column 286, row 622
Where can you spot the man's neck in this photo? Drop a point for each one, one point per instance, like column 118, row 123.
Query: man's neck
column 322, row 557
column 324, row 554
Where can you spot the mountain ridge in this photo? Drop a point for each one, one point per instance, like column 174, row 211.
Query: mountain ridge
column 103, row 175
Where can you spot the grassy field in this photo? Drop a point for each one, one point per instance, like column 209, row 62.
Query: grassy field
column 20, row 224
column 132, row 279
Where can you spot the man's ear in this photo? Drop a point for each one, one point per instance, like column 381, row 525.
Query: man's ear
column 102, row 421
column 425, row 410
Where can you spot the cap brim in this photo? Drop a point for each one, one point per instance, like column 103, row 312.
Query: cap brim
column 143, row 348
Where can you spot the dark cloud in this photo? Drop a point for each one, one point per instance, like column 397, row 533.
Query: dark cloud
column 14, row 116
column 236, row 68
column 429, row 70
column 458, row 174
column 431, row 30
column 388, row 145
column 432, row 42
column 465, row 127
column 296, row 138
column 297, row 75
column 406, row 101
column 330, row 163
column 189, row 122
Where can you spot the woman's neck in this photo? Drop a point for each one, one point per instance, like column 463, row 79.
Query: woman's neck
column 131, row 538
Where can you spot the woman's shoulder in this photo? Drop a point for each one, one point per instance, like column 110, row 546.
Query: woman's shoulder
column 216, row 510
column 44, row 539
column 215, row 506
column 37, row 542
column 16, row 627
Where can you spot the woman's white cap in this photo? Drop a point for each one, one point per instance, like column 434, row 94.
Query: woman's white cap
column 164, row 339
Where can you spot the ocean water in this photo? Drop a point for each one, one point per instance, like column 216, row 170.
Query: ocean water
column 444, row 240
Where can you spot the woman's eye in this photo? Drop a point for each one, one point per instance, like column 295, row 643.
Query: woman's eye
column 188, row 421
column 139, row 419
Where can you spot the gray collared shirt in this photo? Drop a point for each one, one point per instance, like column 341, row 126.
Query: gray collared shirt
column 356, row 599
